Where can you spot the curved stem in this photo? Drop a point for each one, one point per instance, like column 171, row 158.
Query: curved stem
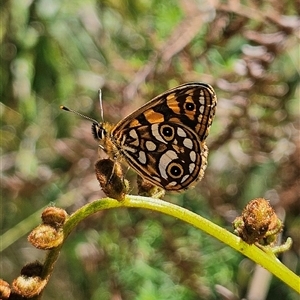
column 266, row 260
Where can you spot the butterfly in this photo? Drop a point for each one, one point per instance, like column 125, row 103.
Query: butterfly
column 164, row 140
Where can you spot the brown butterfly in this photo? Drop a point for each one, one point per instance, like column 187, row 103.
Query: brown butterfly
column 164, row 140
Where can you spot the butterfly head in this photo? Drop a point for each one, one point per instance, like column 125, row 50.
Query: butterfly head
column 102, row 133
column 98, row 131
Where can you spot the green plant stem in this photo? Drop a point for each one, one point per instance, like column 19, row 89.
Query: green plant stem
column 266, row 260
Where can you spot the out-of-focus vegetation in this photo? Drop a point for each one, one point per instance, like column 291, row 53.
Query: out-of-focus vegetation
column 61, row 52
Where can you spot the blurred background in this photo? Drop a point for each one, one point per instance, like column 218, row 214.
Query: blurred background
column 61, row 52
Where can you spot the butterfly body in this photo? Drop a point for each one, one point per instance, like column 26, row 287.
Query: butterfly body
column 164, row 140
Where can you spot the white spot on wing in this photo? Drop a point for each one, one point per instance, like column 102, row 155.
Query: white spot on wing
column 133, row 134
column 191, row 168
column 193, row 156
column 184, row 178
column 154, row 129
column 188, row 143
column 202, row 98
column 150, row 146
column 128, row 149
column 142, row 157
column 164, row 161
column 181, row 132
column 173, row 183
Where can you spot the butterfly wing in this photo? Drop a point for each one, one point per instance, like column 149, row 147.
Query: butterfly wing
column 167, row 154
column 164, row 140
column 192, row 104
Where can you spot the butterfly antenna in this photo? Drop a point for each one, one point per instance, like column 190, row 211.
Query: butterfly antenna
column 77, row 113
column 101, row 104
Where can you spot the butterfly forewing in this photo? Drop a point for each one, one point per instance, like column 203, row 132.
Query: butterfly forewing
column 194, row 106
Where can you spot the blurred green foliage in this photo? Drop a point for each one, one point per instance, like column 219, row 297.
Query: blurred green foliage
column 61, row 52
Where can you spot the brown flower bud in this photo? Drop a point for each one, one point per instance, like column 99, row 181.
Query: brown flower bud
column 4, row 289
column 46, row 237
column 258, row 223
column 29, row 283
column 54, row 216
column 28, row 286
column 32, row 269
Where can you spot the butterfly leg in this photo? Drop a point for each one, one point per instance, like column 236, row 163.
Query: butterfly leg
column 145, row 188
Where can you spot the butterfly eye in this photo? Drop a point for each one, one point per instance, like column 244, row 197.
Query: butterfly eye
column 98, row 131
